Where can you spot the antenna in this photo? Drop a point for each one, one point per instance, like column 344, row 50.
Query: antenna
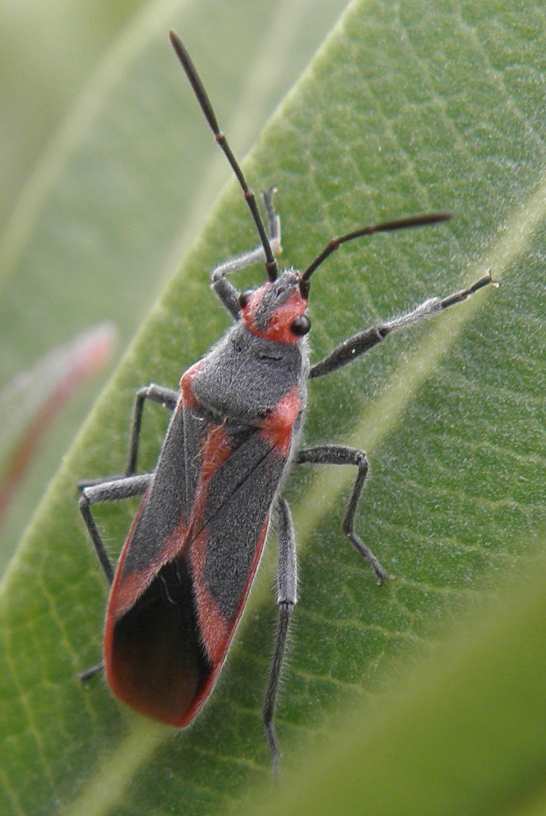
column 386, row 226
column 206, row 107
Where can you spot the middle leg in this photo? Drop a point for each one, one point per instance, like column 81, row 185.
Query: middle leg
column 166, row 397
column 342, row 455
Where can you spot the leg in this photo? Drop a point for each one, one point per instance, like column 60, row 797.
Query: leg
column 340, row 455
column 286, row 600
column 91, row 672
column 354, row 346
column 157, row 393
column 210, row 116
column 121, row 488
column 227, row 293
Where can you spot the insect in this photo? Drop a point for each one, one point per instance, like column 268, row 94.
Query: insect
column 187, row 565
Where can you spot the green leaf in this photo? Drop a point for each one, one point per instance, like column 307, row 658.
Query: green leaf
column 124, row 185
column 48, row 53
column 405, row 109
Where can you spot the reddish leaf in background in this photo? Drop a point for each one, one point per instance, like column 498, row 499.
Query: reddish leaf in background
column 55, row 378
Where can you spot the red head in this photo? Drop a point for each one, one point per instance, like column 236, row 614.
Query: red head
column 277, row 311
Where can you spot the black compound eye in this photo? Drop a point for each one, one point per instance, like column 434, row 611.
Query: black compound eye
column 300, row 325
column 244, row 297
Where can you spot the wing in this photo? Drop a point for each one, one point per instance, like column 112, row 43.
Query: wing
column 189, row 560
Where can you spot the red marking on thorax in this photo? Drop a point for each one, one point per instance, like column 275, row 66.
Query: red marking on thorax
column 279, row 425
column 188, row 397
column 278, row 326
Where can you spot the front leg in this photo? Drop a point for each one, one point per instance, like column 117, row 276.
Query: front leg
column 362, row 342
column 228, row 294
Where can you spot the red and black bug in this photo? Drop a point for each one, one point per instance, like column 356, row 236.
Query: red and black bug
column 191, row 554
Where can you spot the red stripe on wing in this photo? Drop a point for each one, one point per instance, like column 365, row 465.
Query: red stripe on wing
column 126, row 588
column 216, row 631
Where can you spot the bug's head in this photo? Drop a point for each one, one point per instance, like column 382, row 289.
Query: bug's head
column 277, row 310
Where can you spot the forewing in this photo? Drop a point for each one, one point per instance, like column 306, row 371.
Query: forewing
column 188, row 564
column 228, row 533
